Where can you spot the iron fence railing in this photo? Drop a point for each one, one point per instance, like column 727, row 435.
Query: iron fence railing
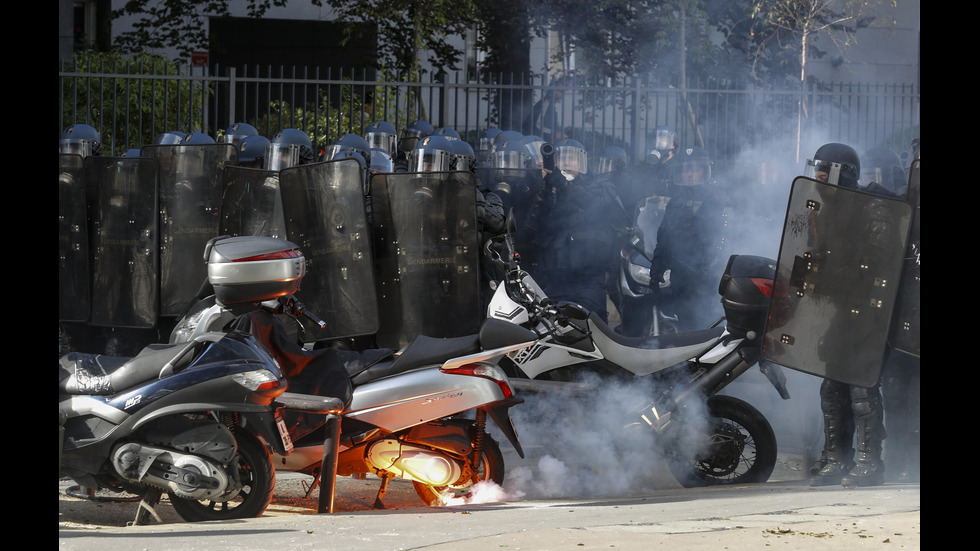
column 129, row 106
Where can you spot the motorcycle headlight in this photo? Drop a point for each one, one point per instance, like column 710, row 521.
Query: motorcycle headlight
column 639, row 274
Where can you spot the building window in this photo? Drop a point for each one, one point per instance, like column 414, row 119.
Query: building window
column 83, row 25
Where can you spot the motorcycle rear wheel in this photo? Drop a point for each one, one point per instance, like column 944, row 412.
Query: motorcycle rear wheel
column 490, row 467
column 740, row 448
column 258, row 482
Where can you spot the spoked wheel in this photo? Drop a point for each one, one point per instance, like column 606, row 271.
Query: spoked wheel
column 740, row 448
column 258, row 479
column 489, row 467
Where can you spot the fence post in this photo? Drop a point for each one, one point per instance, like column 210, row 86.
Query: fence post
column 232, row 92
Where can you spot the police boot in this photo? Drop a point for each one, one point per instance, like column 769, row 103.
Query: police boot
column 868, row 469
column 834, row 461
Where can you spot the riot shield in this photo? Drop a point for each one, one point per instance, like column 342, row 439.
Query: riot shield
column 837, row 276
column 74, row 299
column 125, row 253
column 905, row 328
column 427, row 255
column 190, row 189
column 251, row 203
column 325, row 215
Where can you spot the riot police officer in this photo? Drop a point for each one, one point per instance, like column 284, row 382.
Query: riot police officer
column 289, row 147
column 410, row 137
column 686, row 243
column 382, row 135
column 650, row 177
column 251, row 151
column 849, row 411
column 571, row 222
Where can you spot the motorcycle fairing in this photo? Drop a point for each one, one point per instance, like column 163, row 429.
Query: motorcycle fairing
column 904, row 335
column 251, row 203
column 837, row 275
column 325, row 215
column 190, row 198
column 427, row 255
column 74, row 299
column 124, row 241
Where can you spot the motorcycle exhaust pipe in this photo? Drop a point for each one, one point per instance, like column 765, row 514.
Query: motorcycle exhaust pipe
column 721, row 374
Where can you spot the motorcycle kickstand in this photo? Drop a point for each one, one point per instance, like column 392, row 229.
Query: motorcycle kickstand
column 385, row 479
column 146, row 507
column 313, row 485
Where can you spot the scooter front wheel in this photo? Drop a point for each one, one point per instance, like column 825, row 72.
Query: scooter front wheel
column 489, row 467
column 258, row 480
column 739, row 447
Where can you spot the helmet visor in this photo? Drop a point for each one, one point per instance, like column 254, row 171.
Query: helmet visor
column 437, row 160
column 281, row 155
column 513, row 160
column 663, row 139
column 382, row 140
column 571, row 159
column 823, row 171
column 76, row 147
column 694, row 172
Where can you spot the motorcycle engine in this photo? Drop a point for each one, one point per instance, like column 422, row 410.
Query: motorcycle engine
column 414, row 463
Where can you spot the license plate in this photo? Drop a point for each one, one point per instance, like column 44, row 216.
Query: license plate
column 284, row 433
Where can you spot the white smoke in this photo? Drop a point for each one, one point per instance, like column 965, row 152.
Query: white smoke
column 593, row 445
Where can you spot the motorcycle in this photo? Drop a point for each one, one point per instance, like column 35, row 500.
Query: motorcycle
column 419, row 413
column 635, row 298
column 194, row 419
column 689, row 368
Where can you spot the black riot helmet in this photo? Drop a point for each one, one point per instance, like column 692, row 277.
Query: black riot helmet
column 382, row 135
column 289, row 147
column 883, row 166
column 693, row 166
column 613, row 159
column 835, row 163
column 236, row 132
column 412, row 134
column 80, row 139
column 433, row 154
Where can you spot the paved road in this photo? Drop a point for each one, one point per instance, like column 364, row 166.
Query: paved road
column 783, row 511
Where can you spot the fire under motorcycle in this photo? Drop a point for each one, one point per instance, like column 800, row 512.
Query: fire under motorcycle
column 418, row 413
column 689, row 368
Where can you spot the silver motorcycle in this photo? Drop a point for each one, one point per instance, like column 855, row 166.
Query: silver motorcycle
column 688, row 369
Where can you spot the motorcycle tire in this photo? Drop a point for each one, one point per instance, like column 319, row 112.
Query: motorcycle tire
column 258, row 482
column 491, row 467
column 741, row 448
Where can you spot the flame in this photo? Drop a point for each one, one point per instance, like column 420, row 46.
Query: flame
column 485, row 491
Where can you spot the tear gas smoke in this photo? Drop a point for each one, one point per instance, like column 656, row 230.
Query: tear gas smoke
column 589, row 445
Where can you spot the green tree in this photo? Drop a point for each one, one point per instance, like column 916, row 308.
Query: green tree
column 116, row 105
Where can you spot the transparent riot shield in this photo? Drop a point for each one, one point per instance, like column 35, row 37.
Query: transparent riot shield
column 840, row 261
column 190, row 189
column 125, row 252
column 251, row 203
column 325, row 215
column 427, row 251
column 74, row 299
column 905, row 328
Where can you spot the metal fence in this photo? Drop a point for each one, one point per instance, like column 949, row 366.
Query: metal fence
column 130, row 105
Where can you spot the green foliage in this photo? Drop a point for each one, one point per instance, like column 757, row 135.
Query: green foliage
column 129, row 112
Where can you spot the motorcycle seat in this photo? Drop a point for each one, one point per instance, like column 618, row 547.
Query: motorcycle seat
column 420, row 352
column 101, row 375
